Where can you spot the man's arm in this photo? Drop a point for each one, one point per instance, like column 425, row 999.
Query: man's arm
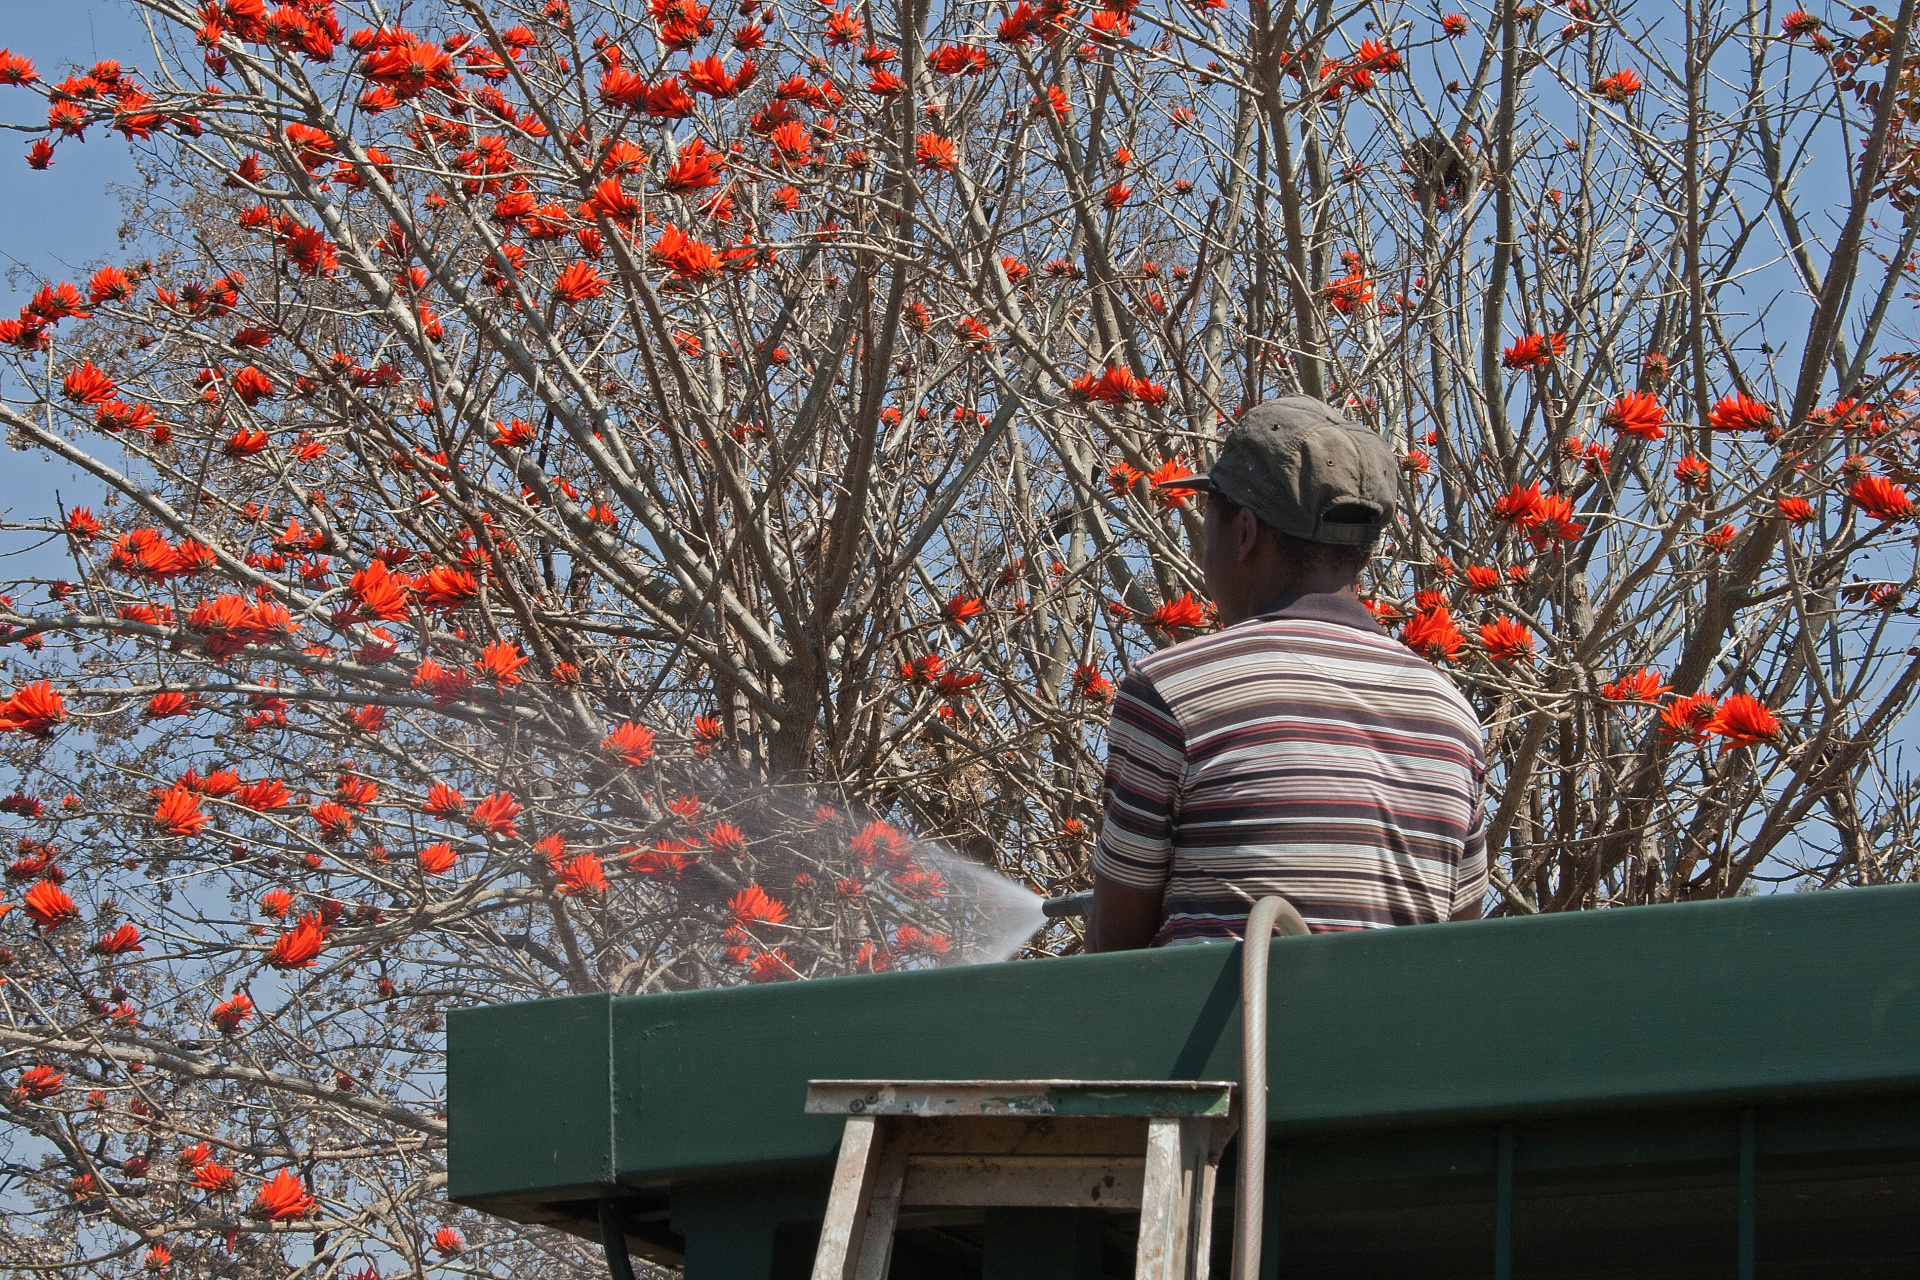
column 1470, row 884
column 1146, row 764
column 1122, row 919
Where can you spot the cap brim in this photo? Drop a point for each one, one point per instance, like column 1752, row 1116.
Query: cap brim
column 1192, row 484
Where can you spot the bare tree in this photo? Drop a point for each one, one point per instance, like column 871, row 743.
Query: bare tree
column 591, row 498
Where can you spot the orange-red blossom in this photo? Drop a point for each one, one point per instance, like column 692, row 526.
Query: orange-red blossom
column 283, row 1199
column 629, row 744
column 298, row 946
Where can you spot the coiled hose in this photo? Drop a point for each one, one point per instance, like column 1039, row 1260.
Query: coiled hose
column 1268, row 914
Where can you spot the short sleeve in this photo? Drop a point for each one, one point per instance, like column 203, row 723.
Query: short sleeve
column 1470, row 878
column 1146, row 770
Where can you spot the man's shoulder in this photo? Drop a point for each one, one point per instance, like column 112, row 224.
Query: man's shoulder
column 1245, row 654
column 1260, row 637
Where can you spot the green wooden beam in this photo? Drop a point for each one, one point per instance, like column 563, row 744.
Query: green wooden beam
column 1728, row 1003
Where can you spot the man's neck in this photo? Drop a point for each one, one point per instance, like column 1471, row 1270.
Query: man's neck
column 1293, row 589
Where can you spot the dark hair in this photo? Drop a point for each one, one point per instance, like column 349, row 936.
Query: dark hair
column 1347, row 561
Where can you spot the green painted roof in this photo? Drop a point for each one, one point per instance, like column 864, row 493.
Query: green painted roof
column 1726, row 1003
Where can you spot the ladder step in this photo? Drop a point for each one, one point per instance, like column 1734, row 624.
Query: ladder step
column 1034, row 1182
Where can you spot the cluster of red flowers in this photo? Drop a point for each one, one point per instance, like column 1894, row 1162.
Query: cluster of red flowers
column 35, row 708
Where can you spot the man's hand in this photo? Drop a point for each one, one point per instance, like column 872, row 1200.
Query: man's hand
column 1122, row 919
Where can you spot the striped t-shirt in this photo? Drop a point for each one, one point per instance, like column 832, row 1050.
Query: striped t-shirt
column 1303, row 752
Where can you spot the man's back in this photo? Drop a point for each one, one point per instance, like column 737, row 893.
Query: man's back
column 1303, row 752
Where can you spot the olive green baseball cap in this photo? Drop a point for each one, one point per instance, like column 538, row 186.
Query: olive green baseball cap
column 1307, row 470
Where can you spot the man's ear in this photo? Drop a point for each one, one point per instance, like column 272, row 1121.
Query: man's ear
column 1246, row 535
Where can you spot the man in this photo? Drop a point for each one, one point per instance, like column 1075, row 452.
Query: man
column 1299, row 750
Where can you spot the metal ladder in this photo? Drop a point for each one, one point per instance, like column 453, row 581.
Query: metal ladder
column 1151, row 1145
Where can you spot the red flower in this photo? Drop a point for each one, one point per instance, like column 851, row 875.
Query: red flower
column 437, row 858
column 1089, row 683
column 1534, row 351
column 33, row 710
column 961, row 608
column 629, row 744
column 297, row 947
column 1692, row 472
column 661, row 860
column 263, row 796
column 754, row 906
column 1431, row 633
column 448, row 1242
column 883, row 843
column 770, row 966
column 1521, row 507
column 1183, row 614
column 1687, row 719
column 1881, row 498
column 283, row 1199
column 933, row 152
column 162, row 706
column 118, row 943
column 909, row 940
column 1637, row 413
column 578, row 283
column 406, row 66
column 252, row 386
column 245, row 442
column 1160, row 483
column 790, row 140
column 1454, row 24
column 957, row 60
column 1797, row 23
column 1349, row 293
column 228, row 1015
column 381, row 593
column 1796, row 509
column 16, row 69
column 1618, row 87
column 216, row 1178
column 1507, row 640
column 582, row 876
column 687, row 258
column 1642, row 686
column 727, row 840
column 1744, row 721
column 275, row 902
column 1483, row 579
column 445, row 588
column 178, row 813
column 80, row 523
column 335, row 822
column 843, row 29
column 495, row 814
column 695, row 170
column 500, row 662
column 1738, row 413
column 39, row 1082
column 708, row 733
column 954, row 685
column 87, row 385
column 444, row 685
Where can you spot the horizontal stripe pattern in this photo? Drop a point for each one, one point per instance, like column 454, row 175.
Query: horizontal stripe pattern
column 1303, row 752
